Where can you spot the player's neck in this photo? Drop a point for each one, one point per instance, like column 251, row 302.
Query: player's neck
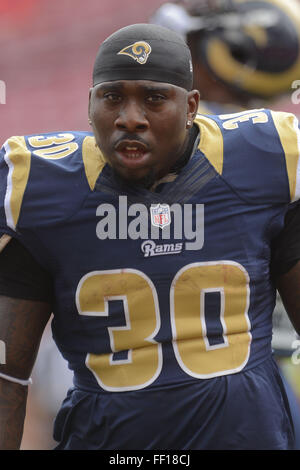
column 188, row 152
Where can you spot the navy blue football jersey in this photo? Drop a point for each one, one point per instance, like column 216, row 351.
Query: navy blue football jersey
column 283, row 330
column 157, row 289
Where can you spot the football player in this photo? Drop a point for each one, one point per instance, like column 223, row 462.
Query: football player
column 150, row 240
column 245, row 53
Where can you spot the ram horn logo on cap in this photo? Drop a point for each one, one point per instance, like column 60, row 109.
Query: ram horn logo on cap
column 138, row 51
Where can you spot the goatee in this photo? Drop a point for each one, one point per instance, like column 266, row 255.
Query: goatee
column 146, row 182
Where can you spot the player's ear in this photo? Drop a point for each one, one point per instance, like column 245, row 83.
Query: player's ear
column 89, row 105
column 193, row 103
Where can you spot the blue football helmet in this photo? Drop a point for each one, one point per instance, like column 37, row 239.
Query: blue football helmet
column 253, row 46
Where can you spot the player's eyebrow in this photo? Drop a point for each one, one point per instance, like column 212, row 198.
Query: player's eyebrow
column 119, row 85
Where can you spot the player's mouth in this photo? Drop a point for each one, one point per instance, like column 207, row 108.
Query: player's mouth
column 132, row 153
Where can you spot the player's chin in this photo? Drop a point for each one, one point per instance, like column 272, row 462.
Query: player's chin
column 143, row 179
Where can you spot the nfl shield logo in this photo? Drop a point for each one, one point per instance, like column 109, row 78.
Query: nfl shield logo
column 160, row 215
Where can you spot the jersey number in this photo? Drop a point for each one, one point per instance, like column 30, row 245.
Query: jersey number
column 256, row 116
column 54, row 146
column 193, row 351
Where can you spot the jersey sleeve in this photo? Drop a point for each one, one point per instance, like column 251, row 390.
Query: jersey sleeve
column 15, row 162
column 45, row 178
column 257, row 152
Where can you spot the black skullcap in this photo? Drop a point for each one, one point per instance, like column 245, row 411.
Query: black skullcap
column 144, row 52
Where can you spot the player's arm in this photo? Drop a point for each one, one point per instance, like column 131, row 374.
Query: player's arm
column 286, row 265
column 25, row 307
column 22, row 323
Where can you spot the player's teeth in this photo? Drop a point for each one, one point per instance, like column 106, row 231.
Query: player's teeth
column 134, row 155
column 131, row 148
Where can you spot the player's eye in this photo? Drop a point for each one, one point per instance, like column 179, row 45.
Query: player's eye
column 156, row 98
column 112, row 97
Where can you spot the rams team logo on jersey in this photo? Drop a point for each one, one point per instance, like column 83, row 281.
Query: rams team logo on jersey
column 138, row 51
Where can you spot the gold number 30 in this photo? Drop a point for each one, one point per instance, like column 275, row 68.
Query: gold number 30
column 193, row 352
column 54, row 146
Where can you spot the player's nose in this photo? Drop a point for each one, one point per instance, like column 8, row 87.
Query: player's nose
column 132, row 117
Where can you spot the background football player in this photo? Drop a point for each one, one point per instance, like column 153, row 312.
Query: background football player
column 245, row 53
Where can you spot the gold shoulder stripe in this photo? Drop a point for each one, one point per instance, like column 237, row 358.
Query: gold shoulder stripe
column 18, row 159
column 93, row 160
column 287, row 128
column 211, row 141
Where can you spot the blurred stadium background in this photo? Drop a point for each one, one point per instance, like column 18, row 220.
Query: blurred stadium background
column 47, row 53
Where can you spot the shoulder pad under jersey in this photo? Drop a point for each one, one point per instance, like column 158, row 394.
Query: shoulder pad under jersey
column 45, row 178
column 256, row 151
